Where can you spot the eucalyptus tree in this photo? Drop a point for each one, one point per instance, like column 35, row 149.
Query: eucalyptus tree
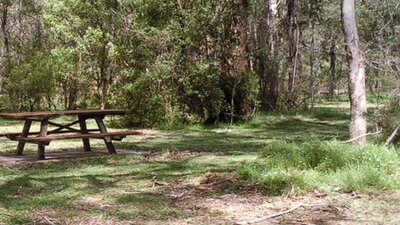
column 357, row 90
column 5, row 50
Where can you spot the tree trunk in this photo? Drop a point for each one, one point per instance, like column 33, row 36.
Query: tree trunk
column 5, row 51
column 332, row 68
column 357, row 92
column 103, row 76
column 272, row 22
column 267, row 68
column 4, row 20
column 293, row 15
column 312, row 61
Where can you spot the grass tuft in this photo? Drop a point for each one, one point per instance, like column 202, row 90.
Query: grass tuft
column 291, row 168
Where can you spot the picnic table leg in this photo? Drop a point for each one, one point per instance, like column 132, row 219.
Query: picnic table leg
column 43, row 132
column 107, row 140
column 86, row 142
column 25, row 133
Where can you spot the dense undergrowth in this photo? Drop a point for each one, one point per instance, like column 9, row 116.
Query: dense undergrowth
column 329, row 166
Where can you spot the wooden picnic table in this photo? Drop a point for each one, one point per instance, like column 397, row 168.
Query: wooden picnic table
column 65, row 131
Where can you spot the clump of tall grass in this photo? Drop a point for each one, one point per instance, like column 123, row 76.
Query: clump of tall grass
column 292, row 168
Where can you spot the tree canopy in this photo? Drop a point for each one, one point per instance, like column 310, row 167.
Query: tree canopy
column 172, row 61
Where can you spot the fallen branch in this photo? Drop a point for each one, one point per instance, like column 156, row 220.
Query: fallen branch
column 390, row 138
column 7, row 214
column 269, row 217
column 48, row 221
column 361, row 136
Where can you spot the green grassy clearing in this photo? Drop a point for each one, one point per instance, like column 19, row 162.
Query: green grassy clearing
column 120, row 187
column 292, row 168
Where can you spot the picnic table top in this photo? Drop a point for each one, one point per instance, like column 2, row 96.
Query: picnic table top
column 50, row 114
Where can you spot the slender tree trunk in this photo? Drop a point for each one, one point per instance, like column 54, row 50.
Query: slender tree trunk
column 272, row 21
column 357, row 92
column 103, row 77
column 294, row 42
column 273, row 70
column 5, row 51
column 4, row 19
column 233, row 101
column 332, row 69
column 266, row 58
column 72, row 93
column 312, row 62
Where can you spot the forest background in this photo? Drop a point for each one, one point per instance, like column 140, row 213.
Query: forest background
column 174, row 62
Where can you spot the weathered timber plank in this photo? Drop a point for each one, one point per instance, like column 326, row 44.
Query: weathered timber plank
column 43, row 133
column 80, row 136
column 25, row 133
column 87, row 113
column 84, row 130
column 107, row 139
column 13, row 136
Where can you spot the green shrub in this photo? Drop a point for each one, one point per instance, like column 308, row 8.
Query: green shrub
column 31, row 84
column 284, row 167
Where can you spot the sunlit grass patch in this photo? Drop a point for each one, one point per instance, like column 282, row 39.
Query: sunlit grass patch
column 292, row 168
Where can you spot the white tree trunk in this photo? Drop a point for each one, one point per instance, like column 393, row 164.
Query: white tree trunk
column 273, row 12
column 357, row 91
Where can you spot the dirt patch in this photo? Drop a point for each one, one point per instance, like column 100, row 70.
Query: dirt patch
column 213, row 193
column 95, row 220
column 345, row 209
column 91, row 202
column 51, row 216
column 178, row 155
column 169, row 156
column 45, row 216
column 210, row 199
column 211, row 184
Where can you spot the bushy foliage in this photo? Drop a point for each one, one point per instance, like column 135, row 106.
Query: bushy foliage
column 292, row 168
column 31, row 85
column 150, row 96
column 188, row 61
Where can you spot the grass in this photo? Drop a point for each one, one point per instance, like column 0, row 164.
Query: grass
column 328, row 166
column 123, row 182
column 344, row 98
column 120, row 187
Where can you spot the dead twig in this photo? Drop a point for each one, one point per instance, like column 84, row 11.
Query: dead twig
column 390, row 138
column 261, row 219
column 361, row 136
column 48, row 220
column 7, row 214
column 269, row 217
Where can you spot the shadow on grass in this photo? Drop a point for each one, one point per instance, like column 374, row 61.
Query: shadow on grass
column 245, row 138
column 147, row 205
column 297, row 129
column 60, row 184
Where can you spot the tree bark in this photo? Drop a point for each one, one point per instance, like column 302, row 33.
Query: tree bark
column 267, row 68
column 4, row 18
column 357, row 91
column 293, row 15
column 103, row 73
column 5, row 51
column 312, row 59
column 332, row 68
column 272, row 22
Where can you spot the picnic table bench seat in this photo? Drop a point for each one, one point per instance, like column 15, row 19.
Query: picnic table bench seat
column 15, row 135
column 117, row 135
